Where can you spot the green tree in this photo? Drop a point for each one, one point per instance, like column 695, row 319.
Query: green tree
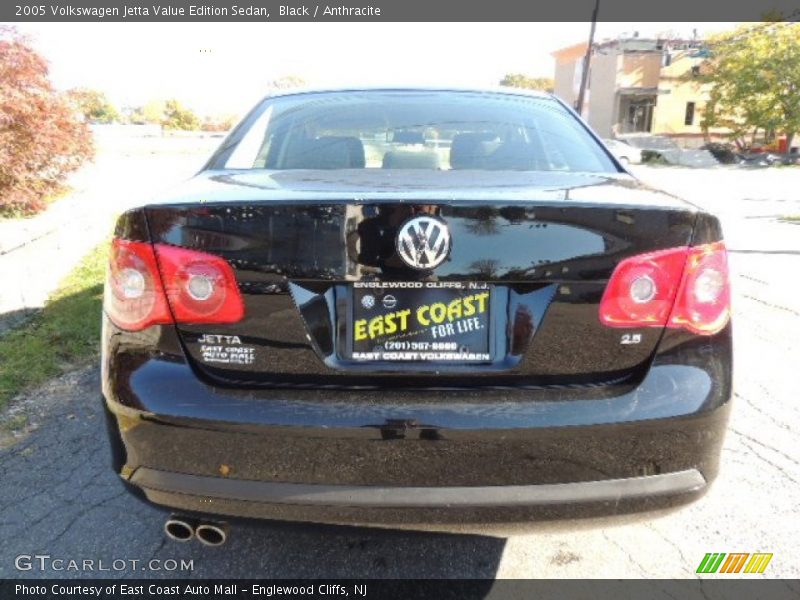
column 754, row 71
column 519, row 80
column 177, row 116
column 152, row 112
column 94, row 106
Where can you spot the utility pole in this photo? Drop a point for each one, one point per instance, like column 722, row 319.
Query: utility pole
column 586, row 60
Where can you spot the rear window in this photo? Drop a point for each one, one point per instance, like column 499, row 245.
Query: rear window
column 413, row 130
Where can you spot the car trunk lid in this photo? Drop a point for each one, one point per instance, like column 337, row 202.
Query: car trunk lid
column 308, row 247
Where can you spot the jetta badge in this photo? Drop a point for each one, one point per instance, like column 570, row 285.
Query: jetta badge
column 423, row 242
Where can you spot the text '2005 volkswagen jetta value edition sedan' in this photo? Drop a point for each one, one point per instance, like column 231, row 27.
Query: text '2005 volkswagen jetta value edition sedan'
column 408, row 307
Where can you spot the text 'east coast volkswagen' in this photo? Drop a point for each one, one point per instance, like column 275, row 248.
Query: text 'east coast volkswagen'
column 414, row 307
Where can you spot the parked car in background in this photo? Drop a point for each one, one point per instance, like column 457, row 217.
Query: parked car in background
column 625, row 153
column 414, row 307
column 665, row 150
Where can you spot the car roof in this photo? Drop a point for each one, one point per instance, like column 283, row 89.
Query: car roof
column 507, row 91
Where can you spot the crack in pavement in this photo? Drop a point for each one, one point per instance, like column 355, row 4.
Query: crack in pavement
column 85, row 511
column 763, row 445
column 761, row 411
column 775, row 466
column 661, row 534
column 630, row 556
column 772, row 305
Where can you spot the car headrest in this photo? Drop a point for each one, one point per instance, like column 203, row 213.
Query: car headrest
column 515, row 155
column 408, row 137
column 409, row 159
column 485, row 150
column 470, row 150
column 328, row 152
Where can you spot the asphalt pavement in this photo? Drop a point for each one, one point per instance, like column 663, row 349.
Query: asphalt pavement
column 59, row 497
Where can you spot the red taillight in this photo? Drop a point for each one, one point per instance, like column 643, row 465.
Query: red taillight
column 191, row 286
column 704, row 300
column 679, row 287
column 642, row 289
column 201, row 288
column 134, row 298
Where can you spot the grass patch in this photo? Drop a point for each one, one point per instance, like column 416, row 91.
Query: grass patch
column 792, row 218
column 65, row 334
column 14, row 423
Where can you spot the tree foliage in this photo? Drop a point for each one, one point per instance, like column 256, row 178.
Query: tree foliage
column 218, row 123
column 519, row 80
column 754, row 72
column 94, row 106
column 152, row 113
column 177, row 116
column 170, row 114
column 42, row 139
column 286, row 82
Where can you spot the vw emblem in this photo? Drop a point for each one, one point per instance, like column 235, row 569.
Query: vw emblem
column 423, row 242
column 368, row 301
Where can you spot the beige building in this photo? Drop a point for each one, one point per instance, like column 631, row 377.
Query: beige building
column 636, row 86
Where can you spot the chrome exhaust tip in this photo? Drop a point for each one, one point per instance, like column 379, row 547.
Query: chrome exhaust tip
column 212, row 534
column 179, row 529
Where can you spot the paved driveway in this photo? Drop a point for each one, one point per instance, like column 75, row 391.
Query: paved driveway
column 58, row 496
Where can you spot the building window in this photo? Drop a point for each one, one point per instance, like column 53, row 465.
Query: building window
column 689, row 117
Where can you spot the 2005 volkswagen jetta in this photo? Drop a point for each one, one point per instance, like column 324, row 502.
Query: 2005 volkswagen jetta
column 414, row 307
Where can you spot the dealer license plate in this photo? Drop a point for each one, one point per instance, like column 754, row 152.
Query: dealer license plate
column 420, row 321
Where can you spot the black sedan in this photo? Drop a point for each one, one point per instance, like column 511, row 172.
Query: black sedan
column 406, row 306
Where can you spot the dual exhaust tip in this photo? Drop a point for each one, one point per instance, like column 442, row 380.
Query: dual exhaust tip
column 183, row 529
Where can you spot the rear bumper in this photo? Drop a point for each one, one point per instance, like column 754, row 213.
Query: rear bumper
column 609, row 490
column 409, row 506
column 411, row 457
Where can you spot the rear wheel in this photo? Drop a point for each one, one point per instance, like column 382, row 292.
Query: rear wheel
column 623, row 160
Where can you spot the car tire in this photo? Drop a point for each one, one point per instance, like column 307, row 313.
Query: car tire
column 623, row 160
